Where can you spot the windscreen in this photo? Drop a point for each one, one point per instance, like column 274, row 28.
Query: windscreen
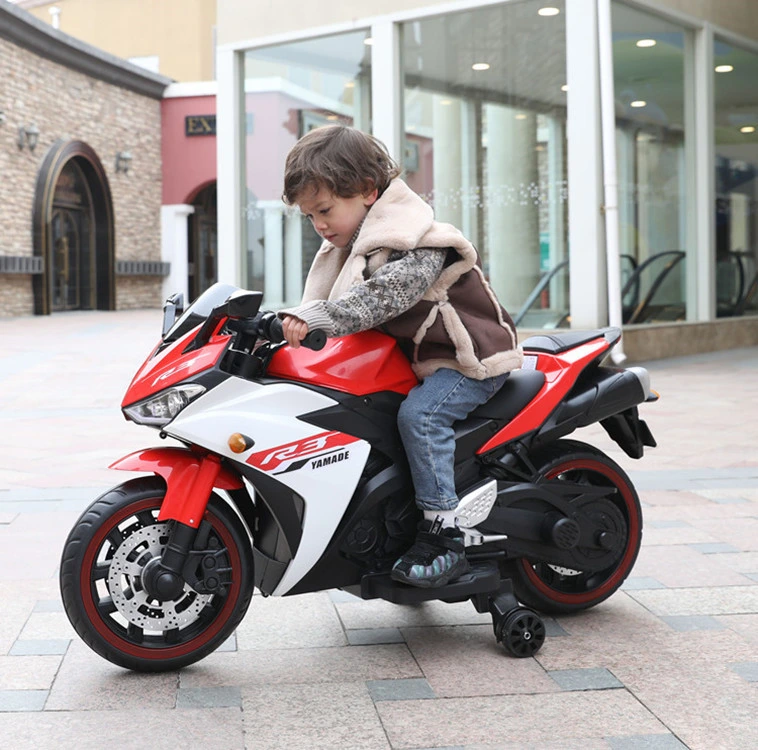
column 199, row 310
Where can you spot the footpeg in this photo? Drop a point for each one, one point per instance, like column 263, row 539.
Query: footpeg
column 476, row 505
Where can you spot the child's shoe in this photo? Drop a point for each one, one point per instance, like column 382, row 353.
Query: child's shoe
column 437, row 557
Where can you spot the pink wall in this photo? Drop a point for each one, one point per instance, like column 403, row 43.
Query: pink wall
column 189, row 162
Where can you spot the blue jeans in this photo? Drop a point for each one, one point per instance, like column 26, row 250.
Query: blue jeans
column 425, row 421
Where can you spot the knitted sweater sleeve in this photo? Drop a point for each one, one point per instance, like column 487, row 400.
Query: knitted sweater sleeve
column 391, row 290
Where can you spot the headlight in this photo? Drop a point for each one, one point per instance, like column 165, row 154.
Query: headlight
column 161, row 409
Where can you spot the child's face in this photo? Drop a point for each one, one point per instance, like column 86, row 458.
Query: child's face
column 335, row 218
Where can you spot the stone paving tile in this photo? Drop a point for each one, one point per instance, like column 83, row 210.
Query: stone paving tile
column 592, row 714
column 48, row 605
column 665, row 524
column 739, row 533
column 47, row 626
column 400, row 690
column 292, row 666
column 40, row 647
column 646, row 742
column 687, row 623
column 742, row 562
column 745, row 625
column 313, row 717
column 125, row 730
column 717, row 708
column 635, row 583
column 705, row 601
column 22, row 700
column 585, row 679
column 304, row 621
column 215, row 697
column 672, row 497
column 28, row 672
column 380, row 614
column 578, row 743
column 374, row 636
column 677, row 566
column 683, row 535
column 467, row 660
column 748, row 670
column 87, row 682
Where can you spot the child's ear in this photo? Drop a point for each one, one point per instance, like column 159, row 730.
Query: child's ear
column 370, row 196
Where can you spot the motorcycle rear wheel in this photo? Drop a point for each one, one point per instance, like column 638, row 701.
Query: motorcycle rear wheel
column 105, row 601
column 555, row 590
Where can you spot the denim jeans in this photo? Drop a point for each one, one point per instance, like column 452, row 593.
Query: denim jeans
column 425, row 421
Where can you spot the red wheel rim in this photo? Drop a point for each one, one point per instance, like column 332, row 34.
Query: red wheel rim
column 155, row 653
column 630, row 552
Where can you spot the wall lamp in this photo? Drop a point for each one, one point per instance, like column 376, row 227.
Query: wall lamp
column 123, row 160
column 28, row 137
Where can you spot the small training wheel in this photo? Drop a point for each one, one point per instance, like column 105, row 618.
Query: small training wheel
column 521, row 631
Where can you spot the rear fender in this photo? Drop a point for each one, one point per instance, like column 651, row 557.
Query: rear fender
column 189, row 478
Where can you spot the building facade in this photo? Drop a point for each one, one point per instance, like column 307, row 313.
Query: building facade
column 601, row 154
column 80, row 158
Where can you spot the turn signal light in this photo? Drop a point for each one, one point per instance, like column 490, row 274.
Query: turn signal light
column 239, row 443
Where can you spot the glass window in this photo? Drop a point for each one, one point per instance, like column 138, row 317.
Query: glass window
column 290, row 89
column 649, row 79
column 485, row 122
column 736, row 153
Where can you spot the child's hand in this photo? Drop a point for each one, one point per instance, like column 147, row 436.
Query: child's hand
column 295, row 330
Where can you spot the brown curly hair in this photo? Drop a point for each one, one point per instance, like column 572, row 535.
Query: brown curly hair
column 341, row 159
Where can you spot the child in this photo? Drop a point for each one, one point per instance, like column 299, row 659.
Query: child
column 386, row 263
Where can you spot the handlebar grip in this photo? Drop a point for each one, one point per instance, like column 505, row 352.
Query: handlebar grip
column 315, row 339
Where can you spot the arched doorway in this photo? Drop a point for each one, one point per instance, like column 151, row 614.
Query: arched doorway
column 73, row 232
column 202, row 247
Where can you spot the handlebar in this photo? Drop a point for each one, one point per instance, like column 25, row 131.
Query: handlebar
column 266, row 325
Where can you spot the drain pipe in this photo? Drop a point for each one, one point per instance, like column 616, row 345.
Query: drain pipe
column 610, row 175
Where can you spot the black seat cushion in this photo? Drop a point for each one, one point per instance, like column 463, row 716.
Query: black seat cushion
column 555, row 343
column 520, row 387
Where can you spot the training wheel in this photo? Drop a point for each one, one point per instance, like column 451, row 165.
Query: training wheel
column 521, row 632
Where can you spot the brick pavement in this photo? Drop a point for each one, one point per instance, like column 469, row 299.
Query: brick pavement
column 671, row 661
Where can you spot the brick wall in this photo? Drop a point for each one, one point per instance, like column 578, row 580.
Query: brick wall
column 64, row 103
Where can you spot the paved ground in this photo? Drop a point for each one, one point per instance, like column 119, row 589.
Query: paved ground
column 671, row 661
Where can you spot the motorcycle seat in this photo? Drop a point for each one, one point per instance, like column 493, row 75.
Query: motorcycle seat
column 555, row 343
column 520, row 387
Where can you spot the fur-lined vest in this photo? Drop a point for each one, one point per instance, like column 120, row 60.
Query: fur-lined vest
column 458, row 323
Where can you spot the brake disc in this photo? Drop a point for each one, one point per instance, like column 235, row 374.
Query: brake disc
column 130, row 597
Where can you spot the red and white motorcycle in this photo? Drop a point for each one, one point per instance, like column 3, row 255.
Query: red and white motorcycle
column 292, row 479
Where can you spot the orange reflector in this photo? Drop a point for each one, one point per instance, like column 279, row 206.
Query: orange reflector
column 239, row 443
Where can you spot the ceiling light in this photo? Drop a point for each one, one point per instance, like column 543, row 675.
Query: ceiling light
column 646, row 43
column 548, row 11
column 638, row 103
column 724, row 68
column 480, row 66
column 350, row 85
column 446, row 102
column 368, row 40
column 521, row 116
column 331, row 117
column 747, row 129
column 565, row 87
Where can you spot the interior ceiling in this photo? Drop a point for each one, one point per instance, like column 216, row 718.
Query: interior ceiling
column 527, row 57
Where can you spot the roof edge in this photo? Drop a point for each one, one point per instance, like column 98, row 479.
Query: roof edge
column 25, row 30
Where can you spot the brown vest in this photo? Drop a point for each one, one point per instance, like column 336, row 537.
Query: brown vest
column 459, row 322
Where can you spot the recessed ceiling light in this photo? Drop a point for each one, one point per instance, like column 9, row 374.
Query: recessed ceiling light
column 646, row 43
column 747, row 129
column 368, row 40
column 350, row 85
column 521, row 116
column 446, row 102
column 480, row 66
column 564, row 87
column 331, row 117
column 724, row 68
column 638, row 103
column 548, row 11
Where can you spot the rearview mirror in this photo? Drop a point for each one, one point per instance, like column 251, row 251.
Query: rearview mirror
column 172, row 309
column 241, row 304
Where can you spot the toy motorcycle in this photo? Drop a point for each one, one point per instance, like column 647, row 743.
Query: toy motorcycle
column 292, row 479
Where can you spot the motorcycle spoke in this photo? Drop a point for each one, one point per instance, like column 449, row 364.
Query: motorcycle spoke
column 115, row 538
column 106, row 606
column 146, row 518
column 135, row 633
column 100, row 571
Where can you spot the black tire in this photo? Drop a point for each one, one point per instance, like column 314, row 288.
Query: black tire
column 521, row 632
column 122, row 526
column 553, row 590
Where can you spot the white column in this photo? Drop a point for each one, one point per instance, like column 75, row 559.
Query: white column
column 556, row 209
column 387, row 87
column 293, row 257
column 174, row 246
column 273, row 252
column 230, row 158
column 471, row 138
column 699, row 127
column 586, row 239
column 512, row 211
column 446, row 157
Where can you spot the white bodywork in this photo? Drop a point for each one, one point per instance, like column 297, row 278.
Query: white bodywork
column 323, row 474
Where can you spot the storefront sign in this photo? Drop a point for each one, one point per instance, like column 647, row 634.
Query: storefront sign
column 200, row 125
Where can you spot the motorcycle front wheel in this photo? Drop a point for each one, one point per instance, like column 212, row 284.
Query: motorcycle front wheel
column 100, row 578
column 557, row 590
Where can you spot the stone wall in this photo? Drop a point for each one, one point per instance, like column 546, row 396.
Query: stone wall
column 66, row 104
